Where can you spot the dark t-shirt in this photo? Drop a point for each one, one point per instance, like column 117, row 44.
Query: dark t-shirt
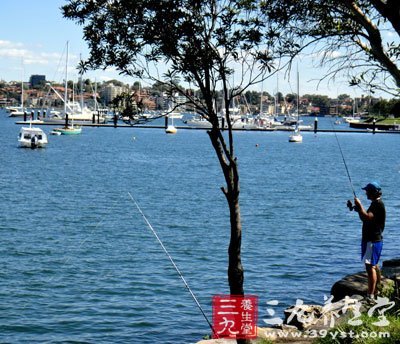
column 372, row 230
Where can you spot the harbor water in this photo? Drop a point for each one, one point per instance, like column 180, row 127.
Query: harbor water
column 79, row 264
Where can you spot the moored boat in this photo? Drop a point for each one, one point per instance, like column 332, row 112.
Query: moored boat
column 171, row 129
column 55, row 132
column 296, row 136
column 19, row 110
column 198, row 121
column 32, row 137
column 16, row 111
column 72, row 130
column 67, row 130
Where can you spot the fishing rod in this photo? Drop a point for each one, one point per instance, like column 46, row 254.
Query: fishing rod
column 174, row 265
column 349, row 204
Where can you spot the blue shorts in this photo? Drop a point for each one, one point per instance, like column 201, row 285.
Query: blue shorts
column 371, row 252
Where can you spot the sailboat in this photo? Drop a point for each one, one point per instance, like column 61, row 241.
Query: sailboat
column 67, row 130
column 171, row 129
column 296, row 136
column 354, row 118
column 19, row 110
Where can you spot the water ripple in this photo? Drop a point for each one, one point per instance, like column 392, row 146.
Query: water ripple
column 79, row 264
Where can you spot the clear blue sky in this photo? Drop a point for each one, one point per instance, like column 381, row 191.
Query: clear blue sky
column 34, row 31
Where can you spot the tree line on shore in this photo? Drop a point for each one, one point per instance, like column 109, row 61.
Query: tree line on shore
column 343, row 104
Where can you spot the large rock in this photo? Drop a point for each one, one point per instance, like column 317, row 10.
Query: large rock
column 302, row 316
column 217, row 341
column 391, row 268
column 357, row 284
column 320, row 317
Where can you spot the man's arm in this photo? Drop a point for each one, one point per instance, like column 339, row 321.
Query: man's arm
column 362, row 213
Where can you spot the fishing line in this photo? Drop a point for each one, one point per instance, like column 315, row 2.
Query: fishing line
column 344, row 160
column 173, row 263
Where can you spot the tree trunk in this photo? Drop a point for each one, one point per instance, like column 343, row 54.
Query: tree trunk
column 229, row 167
column 390, row 10
column 235, row 268
column 377, row 50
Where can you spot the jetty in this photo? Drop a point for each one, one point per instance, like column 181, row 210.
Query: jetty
column 185, row 127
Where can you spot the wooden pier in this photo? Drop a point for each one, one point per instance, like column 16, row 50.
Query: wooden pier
column 149, row 126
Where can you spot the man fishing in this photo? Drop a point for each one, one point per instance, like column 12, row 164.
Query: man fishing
column 373, row 221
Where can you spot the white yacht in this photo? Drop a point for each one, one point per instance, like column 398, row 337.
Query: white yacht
column 19, row 110
column 67, row 129
column 174, row 114
column 16, row 111
column 75, row 112
column 32, row 137
column 198, row 121
column 171, row 129
column 296, row 136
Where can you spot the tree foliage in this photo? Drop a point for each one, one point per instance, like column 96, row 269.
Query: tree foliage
column 280, row 97
column 126, row 104
column 318, row 100
column 115, row 82
column 386, row 107
column 343, row 96
column 291, row 97
column 359, row 39
column 252, row 97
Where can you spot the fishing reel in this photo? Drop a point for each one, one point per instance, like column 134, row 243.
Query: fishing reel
column 351, row 206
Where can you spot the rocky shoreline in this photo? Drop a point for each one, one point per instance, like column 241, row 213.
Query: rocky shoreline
column 348, row 297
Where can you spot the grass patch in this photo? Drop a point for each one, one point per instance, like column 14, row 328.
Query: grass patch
column 264, row 341
column 382, row 120
column 366, row 333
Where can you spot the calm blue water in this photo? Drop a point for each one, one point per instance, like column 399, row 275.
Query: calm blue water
column 80, row 265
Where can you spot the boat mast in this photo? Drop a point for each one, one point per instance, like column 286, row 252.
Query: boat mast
column 276, row 95
column 22, row 86
column 298, row 93
column 66, row 82
column 95, row 96
column 81, row 86
column 73, row 95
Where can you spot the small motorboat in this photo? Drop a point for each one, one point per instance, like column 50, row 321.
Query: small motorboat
column 32, row 137
column 55, row 132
